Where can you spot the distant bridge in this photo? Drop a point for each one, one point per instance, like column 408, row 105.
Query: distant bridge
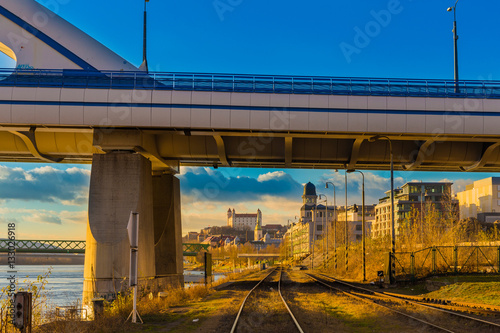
column 42, row 246
column 68, row 246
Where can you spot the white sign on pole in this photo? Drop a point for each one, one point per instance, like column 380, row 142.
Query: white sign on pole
column 133, row 229
column 133, row 236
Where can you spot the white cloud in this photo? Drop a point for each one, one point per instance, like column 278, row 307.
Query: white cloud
column 271, row 175
column 459, row 185
column 45, row 184
column 42, row 217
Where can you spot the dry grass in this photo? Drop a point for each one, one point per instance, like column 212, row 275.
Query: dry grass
column 432, row 229
column 158, row 311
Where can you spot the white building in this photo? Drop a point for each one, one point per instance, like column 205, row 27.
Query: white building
column 355, row 221
column 481, row 200
column 314, row 219
column 318, row 219
column 243, row 221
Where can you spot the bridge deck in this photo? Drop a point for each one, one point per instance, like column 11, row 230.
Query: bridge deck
column 186, row 119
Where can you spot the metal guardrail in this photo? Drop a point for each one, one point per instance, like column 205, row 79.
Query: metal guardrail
column 42, row 246
column 278, row 84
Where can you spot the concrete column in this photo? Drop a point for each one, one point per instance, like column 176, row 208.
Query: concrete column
column 167, row 230
column 120, row 182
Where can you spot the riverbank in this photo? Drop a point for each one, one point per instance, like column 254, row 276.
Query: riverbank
column 49, row 259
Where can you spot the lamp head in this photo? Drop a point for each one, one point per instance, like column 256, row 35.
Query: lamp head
column 350, row 170
column 449, row 9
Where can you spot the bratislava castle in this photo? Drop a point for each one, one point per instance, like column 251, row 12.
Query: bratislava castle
column 243, row 221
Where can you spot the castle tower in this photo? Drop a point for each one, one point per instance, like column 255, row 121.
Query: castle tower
column 309, row 197
column 257, row 234
column 229, row 220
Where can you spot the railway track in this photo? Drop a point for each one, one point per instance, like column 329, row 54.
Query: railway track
column 482, row 309
column 389, row 301
column 435, row 304
column 255, row 292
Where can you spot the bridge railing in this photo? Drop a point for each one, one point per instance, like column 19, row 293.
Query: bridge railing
column 42, row 246
column 192, row 249
column 250, row 83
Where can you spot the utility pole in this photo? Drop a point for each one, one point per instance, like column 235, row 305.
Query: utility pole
column 346, row 229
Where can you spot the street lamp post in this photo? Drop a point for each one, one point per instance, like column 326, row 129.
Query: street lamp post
column 334, row 226
column 323, row 228
column 291, row 239
column 313, row 235
column 455, row 39
column 363, row 230
column 393, row 233
column 346, row 235
column 144, row 64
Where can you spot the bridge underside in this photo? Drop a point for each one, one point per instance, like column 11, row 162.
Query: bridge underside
column 168, row 149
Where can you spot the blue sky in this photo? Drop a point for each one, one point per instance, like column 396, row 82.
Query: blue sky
column 406, row 38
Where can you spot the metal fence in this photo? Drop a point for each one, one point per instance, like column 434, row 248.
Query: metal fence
column 447, row 259
column 250, row 83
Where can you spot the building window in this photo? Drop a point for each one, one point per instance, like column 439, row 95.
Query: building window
column 359, row 227
column 319, row 227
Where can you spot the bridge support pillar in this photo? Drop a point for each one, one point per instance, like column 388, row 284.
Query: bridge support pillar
column 167, row 230
column 120, row 182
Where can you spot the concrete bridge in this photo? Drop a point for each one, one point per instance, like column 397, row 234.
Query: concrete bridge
column 82, row 103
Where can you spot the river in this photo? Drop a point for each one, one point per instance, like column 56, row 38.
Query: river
column 65, row 282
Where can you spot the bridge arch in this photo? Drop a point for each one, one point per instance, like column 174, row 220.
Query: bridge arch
column 8, row 58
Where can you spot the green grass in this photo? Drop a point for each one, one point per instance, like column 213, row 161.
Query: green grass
column 467, row 278
column 471, row 292
column 483, row 289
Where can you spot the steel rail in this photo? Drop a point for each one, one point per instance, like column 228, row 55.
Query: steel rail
column 233, row 329
column 286, row 305
column 411, row 302
column 366, row 300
